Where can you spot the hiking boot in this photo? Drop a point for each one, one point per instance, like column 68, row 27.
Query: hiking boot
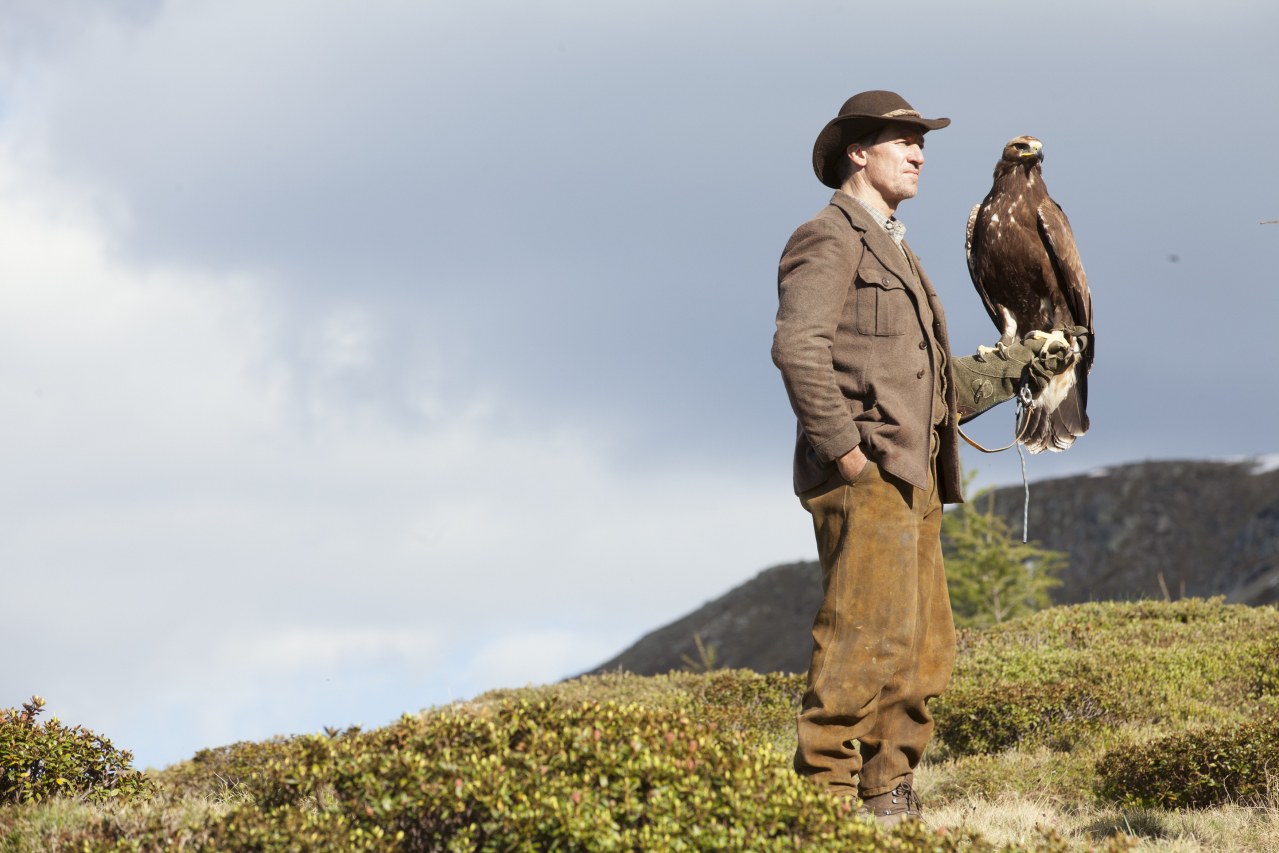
column 893, row 807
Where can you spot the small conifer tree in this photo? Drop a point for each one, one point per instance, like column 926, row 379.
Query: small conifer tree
column 993, row 576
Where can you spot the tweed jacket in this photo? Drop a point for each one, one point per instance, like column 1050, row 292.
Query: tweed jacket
column 856, row 355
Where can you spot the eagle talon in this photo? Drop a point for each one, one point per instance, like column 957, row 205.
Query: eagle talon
column 999, row 350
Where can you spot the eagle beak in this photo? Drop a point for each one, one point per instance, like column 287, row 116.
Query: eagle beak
column 1036, row 150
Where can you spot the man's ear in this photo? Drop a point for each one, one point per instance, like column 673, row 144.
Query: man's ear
column 857, row 154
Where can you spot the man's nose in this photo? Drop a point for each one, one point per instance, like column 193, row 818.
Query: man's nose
column 916, row 155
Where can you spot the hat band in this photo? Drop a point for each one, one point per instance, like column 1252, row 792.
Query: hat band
column 900, row 113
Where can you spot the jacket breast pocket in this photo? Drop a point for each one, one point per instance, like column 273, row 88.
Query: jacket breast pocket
column 884, row 306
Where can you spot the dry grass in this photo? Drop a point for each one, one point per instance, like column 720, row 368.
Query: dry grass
column 1012, row 817
column 62, row 825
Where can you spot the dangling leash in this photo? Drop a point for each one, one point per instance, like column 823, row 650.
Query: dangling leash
column 1025, row 405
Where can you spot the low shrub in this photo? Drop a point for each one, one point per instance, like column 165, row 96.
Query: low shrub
column 1229, row 764
column 737, row 698
column 991, row 718
column 521, row 775
column 224, row 773
column 1160, row 664
column 39, row 760
column 1266, row 685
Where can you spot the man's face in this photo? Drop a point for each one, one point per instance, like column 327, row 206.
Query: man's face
column 893, row 162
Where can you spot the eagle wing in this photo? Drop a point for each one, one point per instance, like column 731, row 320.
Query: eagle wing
column 1060, row 240
column 972, row 268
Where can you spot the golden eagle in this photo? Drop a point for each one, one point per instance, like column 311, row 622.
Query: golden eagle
column 1024, row 263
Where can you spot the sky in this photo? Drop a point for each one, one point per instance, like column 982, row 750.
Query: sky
column 360, row 357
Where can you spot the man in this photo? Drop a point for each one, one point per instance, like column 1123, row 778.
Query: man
column 861, row 343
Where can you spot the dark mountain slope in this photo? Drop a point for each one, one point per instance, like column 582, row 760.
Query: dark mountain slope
column 762, row 625
column 1205, row 528
column 1210, row 528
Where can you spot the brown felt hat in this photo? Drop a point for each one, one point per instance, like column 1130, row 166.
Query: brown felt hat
column 861, row 114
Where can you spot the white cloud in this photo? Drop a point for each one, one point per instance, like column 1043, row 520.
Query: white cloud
column 278, row 649
column 202, row 563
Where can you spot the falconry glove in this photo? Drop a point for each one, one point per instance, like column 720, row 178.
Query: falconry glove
column 994, row 375
column 989, row 377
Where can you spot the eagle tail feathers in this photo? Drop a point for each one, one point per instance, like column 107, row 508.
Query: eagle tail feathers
column 1060, row 414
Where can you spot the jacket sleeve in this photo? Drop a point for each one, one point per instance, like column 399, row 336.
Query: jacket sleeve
column 813, row 282
column 982, row 381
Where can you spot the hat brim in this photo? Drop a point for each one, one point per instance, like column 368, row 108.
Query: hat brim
column 842, row 131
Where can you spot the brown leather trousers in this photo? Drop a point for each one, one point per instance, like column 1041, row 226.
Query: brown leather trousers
column 883, row 639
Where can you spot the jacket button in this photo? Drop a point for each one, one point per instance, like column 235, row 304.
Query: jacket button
column 920, row 374
column 923, row 345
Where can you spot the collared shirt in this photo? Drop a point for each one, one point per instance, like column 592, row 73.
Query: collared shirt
column 894, row 226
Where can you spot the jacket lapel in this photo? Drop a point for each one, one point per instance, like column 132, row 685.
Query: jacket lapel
column 880, row 244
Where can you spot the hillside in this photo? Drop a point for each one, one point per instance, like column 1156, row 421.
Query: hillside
column 1146, row 727
column 1205, row 528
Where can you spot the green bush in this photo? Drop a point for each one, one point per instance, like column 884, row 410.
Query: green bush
column 734, row 699
column 518, row 776
column 39, row 760
column 1230, row 764
column 224, row 773
column 521, row 775
column 1159, row 664
column 994, row 717
column 1267, row 681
